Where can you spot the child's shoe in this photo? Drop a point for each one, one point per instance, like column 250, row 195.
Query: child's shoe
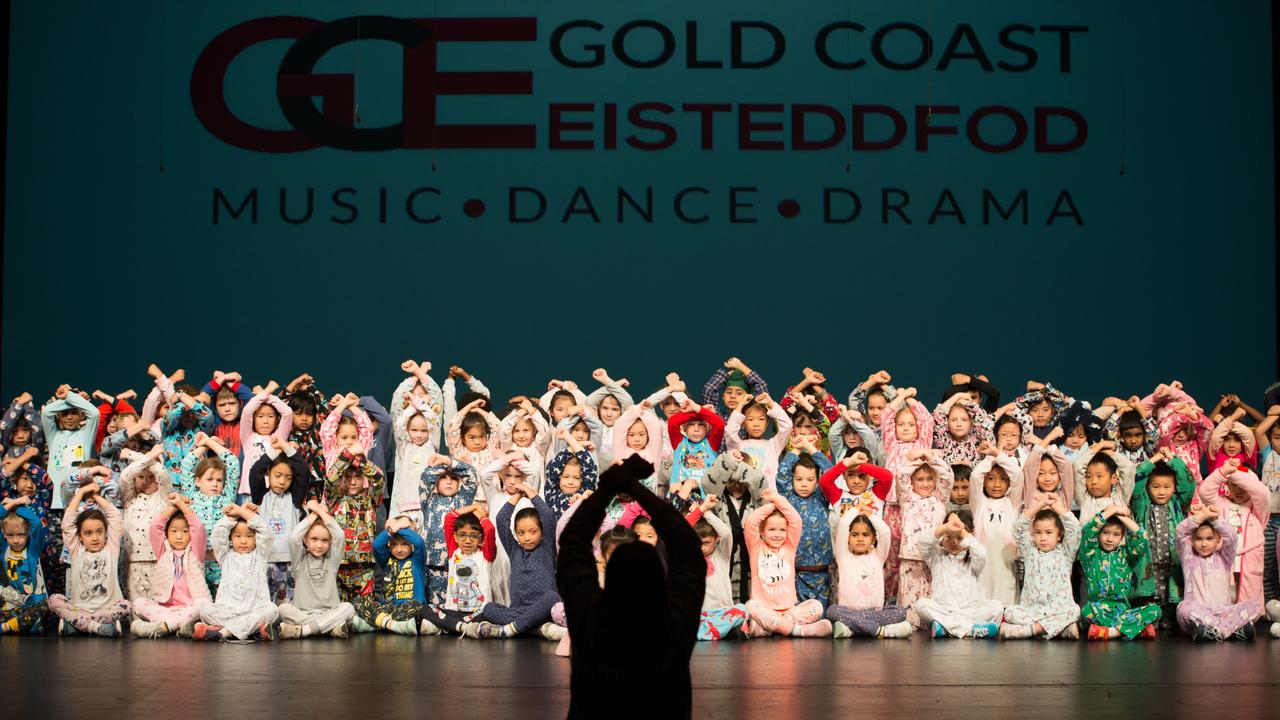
column 426, row 627
column 267, row 631
column 840, row 631
column 1247, row 632
column 552, row 631
column 1070, row 632
column 1148, row 632
column 938, row 631
column 1273, row 610
column 342, row 631
column 982, row 631
column 66, row 628
column 290, row 631
column 108, row 630
column 203, row 631
column 359, row 625
column 897, row 630
column 1097, row 632
column 1009, row 631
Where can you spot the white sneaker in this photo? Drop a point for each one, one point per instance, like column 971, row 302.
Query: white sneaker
column 471, row 630
column 897, row 630
column 840, row 631
column 552, row 631
column 1070, row 632
column 143, row 629
column 1275, row 630
column 429, row 628
column 289, row 631
column 1273, row 610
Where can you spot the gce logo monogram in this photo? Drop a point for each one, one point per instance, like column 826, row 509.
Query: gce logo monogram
column 297, row 84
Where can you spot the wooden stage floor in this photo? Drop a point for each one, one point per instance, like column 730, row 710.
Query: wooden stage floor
column 372, row 677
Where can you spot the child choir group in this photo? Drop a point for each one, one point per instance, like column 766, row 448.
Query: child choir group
column 237, row 514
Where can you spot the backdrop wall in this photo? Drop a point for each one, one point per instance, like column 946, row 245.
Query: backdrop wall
column 1082, row 193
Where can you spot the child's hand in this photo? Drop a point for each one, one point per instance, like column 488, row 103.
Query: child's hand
column 1230, row 467
column 23, row 399
column 709, row 503
column 1209, row 513
column 338, row 401
column 600, row 376
column 527, row 491
column 568, row 385
column 769, row 494
column 438, row 459
column 61, row 392
column 230, row 510
column 1123, row 511
column 915, row 454
column 352, row 399
column 173, row 498
column 690, row 406
column 765, row 400
column 1054, row 434
column 251, row 507
column 11, row 503
column 409, row 366
column 480, row 511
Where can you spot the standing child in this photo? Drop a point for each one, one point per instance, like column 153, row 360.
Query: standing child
column 905, row 426
column 210, row 483
column 957, row 607
column 1161, row 494
column 608, row 402
column 961, row 477
column 996, row 505
column 178, row 589
column 924, row 484
column 1207, row 550
column 341, row 432
column 446, row 485
column 746, row 430
column 1046, row 471
column 415, row 426
column 696, row 433
column 569, row 474
column 532, row 550
column 721, row 616
column 307, row 403
column 20, row 427
column 1268, row 439
column 1244, row 503
column 860, row 557
column 797, row 481
column 1048, row 537
column 739, row 486
column 354, row 492
column 399, row 553
column 965, row 426
column 864, row 484
column 1109, row 559
column 23, row 599
column 22, row 478
column 69, row 422
column 93, row 603
column 316, row 547
column 1103, row 478
column 278, row 487
column 242, row 609
column 773, row 533
column 267, row 418
column 144, row 485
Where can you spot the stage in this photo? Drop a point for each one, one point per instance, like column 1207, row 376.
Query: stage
column 380, row 676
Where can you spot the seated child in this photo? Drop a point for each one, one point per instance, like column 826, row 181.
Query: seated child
column 1244, row 503
column 860, row 556
column 242, row 609
column 1207, row 550
column 772, row 533
column 23, row 600
column 177, row 588
column 957, row 607
column 1048, row 536
column 996, row 505
column 1109, row 558
column 924, row 484
column 721, row 617
column 210, row 483
column 93, row 603
column 472, row 547
column 445, row 486
column 316, row 547
column 399, row 553
column 144, row 485
column 797, row 481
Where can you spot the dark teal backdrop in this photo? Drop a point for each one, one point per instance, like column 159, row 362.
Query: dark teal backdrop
column 1147, row 251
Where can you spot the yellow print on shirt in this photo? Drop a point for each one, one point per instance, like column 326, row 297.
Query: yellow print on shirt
column 402, row 585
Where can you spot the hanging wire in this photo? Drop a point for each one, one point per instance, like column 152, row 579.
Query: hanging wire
column 160, row 75
column 1122, row 93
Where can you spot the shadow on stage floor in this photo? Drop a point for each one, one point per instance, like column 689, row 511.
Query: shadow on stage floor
column 378, row 676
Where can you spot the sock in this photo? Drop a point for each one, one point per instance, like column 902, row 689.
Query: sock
column 383, row 620
column 310, row 628
column 10, row 626
column 821, row 628
column 361, row 625
column 1016, row 632
column 92, row 626
column 402, row 627
column 508, row 630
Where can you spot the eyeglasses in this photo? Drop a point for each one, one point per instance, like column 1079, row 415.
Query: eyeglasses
column 468, row 536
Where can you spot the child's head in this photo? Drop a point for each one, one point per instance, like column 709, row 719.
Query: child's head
column 114, row 423
column 352, row 481
column 1100, row 475
column 187, row 419
column 419, row 429
column 561, row 402
column 735, row 390
column 17, row 531
column 774, row 530
column 468, row 533
column 996, row 483
column 280, row 475
column 862, row 535
column 512, row 478
column 850, row 437
column 1076, row 438
column 1232, row 445
column 318, row 540
column 805, row 476
column 755, row 420
column 904, row 424
column 609, row 410
column 803, row 425
column 211, row 475
column 144, row 482
column 70, row 419
column 1161, row 483
column 695, row 429
column 523, row 433
column 304, row 411
column 960, row 484
column 1111, row 534
column 178, row 532
column 856, row 481
column 959, row 421
column 637, row 436
column 707, row 535
column 20, row 434
column 669, row 406
column 448, row 483
column 24, row 483
column 399, row 547
column 1273, row 435
column 528, row 529
column 475, row 431
column 348, row 434
column 1047, row 530
column 1236, row 492
column 580, row 431
column 613, row 538
column 227, row 405
column 644, row 531
column 876, row 401
column 924, row 480
column 1040, row 412
column 1206, row 541
column 953, row 544
column 1008, row 433
column 91, row 528
column 1130, row 429
column 1048, row 479
column 243, row 539
column 571, row 476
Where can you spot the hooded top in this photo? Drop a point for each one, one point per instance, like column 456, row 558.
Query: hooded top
column 636, row 602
